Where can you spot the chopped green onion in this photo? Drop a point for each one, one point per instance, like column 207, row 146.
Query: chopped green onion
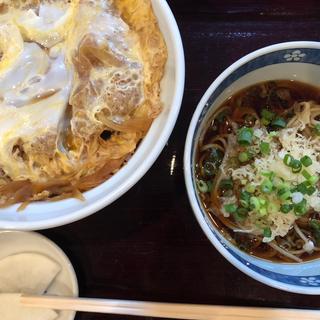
column 230, row 208
column 279, row 123
column 266, row 186
column 265, row 122
column 240, row 214
column 265, row 148
column 255, row 203
column 301, row 208
column 267, row 232
column 306, row 174
column 250, row 188
column 288, row 159
column 226, row 184
column 263, row 212
column 268, row 174
column 284, row 193
column 286, row 208
column 245, row 198
column 266, row 114
column 311, row 190
column 245, row 136
column 303, row 187
column 262, row 201
column 315, row 225
column 306, row 161
column 296, row 166
column 273, row 134
column 202, row 186
column 313, row 179
column 317, row 129
column 244, row 156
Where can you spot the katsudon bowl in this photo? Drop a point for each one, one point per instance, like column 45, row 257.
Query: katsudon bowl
column 294, row 62
column 46, row 214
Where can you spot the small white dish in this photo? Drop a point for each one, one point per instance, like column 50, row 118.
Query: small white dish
column 65, row 284
column 299, row 61
column 44, row 215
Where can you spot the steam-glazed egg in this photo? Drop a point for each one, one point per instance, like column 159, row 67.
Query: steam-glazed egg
column 11, row 45
column 69, row 71
column 48, row 24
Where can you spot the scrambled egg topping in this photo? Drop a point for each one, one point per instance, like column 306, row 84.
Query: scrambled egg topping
column 69, row 71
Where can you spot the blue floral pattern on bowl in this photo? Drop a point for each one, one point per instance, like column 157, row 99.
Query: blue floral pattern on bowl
column 294, row 55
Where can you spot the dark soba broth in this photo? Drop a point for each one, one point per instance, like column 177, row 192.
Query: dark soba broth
column 250, row 127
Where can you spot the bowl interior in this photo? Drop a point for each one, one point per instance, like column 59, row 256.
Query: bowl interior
column 43, row 214
column 296, row 63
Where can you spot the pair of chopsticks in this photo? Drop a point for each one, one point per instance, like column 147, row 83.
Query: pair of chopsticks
column 167, row 310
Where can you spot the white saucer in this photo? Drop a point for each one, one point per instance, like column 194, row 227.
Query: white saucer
column 65, row 284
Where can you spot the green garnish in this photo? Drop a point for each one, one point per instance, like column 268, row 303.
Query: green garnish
column 266, row 186
column 267, row 232
column 306, row 161
column 245, row 199
column 306, row 188
column 244, row 156
column 226, row 184
column 315, row 225
column 306, row 174
column 286, row 208
column 296, row 166
column 273, row 134
column 262, row 201
column 288, row 159
column 202, row 186
column 265, row 148
column 267, row 116
column 284, row 193
column 317, row 129
column 313, row 179
column 240, row 214
column 311, row 190
column 279, row 123
column 300, row 208
column 250, row 188
column 268, row 174
column 255, row 203
column 245, row 136
column 303, row 187
column 230, row 208
column 262, row 212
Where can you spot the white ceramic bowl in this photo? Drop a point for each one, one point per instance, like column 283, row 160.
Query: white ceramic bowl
column 65, row 284
column 42, row 215
column 291, row 60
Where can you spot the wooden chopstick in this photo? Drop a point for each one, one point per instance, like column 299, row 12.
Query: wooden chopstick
column 167, row 310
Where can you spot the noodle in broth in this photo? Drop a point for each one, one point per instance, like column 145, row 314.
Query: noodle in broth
column 258, row 167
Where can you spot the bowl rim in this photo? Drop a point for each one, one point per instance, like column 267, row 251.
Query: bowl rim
column 140, row 171
column 188, row 169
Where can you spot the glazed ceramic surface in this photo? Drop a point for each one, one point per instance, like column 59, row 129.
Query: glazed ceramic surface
column 292, row 61
column 42, row 215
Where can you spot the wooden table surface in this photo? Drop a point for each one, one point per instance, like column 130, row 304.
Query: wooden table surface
column 147, row 245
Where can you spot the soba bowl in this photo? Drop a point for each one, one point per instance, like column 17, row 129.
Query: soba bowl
column 42, row 215
column 293, row 61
